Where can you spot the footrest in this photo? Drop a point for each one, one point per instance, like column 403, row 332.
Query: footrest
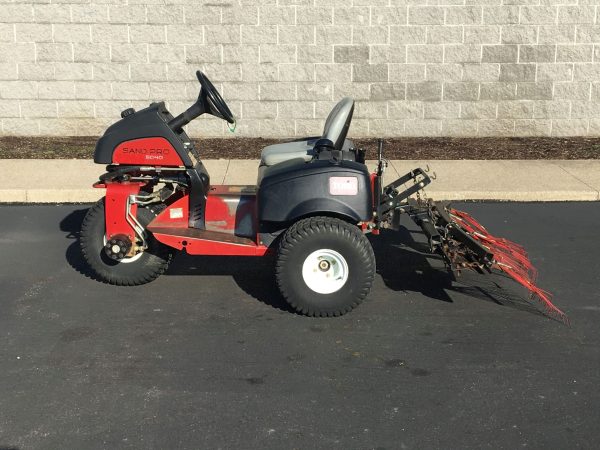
column 203, row 242
column 194, row 233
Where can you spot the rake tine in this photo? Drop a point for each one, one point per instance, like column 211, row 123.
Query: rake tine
column 511, row 259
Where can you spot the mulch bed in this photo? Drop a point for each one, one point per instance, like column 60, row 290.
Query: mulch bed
column 395, row 148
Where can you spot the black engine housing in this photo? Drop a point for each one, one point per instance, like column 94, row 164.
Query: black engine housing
column 148, row 122
column 293, row 189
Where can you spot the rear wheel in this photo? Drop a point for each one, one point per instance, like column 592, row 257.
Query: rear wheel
column 325, row 266
column 139, row 269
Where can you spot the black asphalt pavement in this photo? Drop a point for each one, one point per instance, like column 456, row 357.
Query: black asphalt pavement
column 207, row 356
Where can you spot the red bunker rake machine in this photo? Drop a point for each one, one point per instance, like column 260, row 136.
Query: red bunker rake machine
column 312, row 206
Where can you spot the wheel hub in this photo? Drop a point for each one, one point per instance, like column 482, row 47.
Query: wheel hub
column 325, row 271
column 118, row 247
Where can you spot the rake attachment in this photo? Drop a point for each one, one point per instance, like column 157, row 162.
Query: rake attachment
column 504, row 255
column 509, row 258
column 462, row 242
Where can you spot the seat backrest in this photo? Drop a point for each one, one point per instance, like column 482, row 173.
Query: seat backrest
column 338, row 122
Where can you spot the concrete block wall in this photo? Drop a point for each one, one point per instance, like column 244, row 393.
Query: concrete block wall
column 415, row 67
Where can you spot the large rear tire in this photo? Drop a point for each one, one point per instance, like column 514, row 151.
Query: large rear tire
column 136, row 270
column 325, row 266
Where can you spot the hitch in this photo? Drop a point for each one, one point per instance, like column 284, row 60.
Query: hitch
column 388, row 198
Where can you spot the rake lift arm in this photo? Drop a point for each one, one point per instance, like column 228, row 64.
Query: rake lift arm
column 461, row 241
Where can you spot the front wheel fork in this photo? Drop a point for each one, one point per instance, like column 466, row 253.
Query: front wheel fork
column 121, row 223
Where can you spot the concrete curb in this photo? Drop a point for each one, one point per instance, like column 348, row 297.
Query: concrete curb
column 69, row 181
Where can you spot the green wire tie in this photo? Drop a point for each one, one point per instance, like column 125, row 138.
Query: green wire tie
column 232, row 129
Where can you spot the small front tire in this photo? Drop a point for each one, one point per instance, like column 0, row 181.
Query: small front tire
column 325, row 266
column 139, row 269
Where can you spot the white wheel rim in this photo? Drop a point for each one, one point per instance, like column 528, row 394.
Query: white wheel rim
column 325, row 271
column 128, row 260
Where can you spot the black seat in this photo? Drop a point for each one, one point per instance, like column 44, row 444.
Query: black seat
column 335, row 130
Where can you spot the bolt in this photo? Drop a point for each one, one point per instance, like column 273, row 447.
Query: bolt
column 324, row 265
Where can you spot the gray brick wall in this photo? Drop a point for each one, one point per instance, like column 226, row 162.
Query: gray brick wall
column 415, row 67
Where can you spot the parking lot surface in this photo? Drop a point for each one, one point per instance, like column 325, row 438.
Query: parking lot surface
column 208, row 356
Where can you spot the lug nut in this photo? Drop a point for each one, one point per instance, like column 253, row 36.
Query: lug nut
column 324, row 265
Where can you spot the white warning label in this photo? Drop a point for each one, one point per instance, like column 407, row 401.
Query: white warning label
column 343, row 186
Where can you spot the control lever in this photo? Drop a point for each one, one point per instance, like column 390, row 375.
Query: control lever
column 381, row 163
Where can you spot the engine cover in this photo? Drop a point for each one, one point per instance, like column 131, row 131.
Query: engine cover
column 144, row 138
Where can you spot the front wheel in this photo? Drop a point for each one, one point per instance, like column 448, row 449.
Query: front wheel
column 325, row 266
column 139, row 269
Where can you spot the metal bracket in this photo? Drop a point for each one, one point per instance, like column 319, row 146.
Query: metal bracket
column 133, row 222
column 391, row 198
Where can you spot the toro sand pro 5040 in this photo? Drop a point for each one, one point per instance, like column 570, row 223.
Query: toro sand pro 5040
column 312, row 206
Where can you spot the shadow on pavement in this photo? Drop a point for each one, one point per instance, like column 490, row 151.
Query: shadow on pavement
column 404, row 264
column 255, row 276
column 71, row 225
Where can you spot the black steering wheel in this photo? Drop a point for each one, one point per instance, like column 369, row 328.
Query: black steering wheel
column 211, row 99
